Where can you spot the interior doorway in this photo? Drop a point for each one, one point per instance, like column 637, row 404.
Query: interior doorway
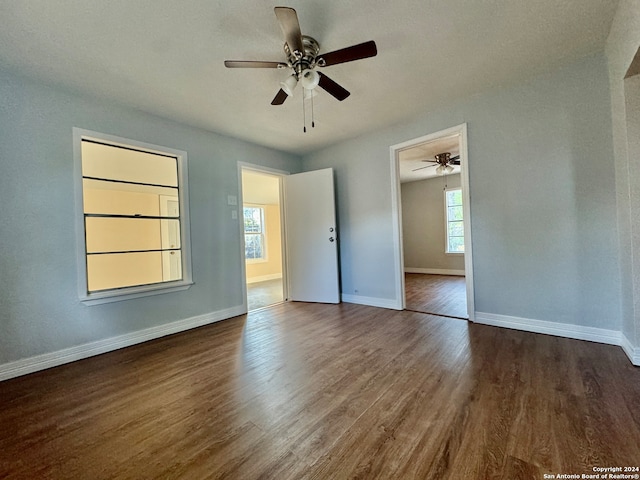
column 261, row 215
column 433, row 245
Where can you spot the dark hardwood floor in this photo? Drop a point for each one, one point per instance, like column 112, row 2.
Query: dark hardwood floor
column 437, row 294
column 310, row 391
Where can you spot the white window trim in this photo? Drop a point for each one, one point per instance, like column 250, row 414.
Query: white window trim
column 127, row 293
column 446, row 222
column 264, row 258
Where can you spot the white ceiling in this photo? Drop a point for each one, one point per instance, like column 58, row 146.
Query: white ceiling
column 414, row 162
column 166, row 57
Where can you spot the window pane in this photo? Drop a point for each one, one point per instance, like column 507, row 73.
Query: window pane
column 127, row 199
column 117, row 270
column 454, row 213
column 110, row 162
column 252, row 220
column 253, row 246
column 104, row 234
column 454, row 197
column 456, row 244
column 171, row 265
column 456, row 229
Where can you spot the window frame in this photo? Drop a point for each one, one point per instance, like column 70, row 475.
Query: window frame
column 127, row 293
column 263, row 233
column 447, row 221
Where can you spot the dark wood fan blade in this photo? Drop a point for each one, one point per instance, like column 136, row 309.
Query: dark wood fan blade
column 332, row 87
column 455, row 160
column 288, row 19
column 280, row 97
column 349, row 54
column 252, row 64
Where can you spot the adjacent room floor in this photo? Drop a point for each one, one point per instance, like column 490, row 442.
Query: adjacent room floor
column 313, row 391
column 263, row 294
column 436, row 294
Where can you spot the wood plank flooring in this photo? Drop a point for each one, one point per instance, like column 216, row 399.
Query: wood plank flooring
column 310, row 391
column 436, row 294
column 263, row 294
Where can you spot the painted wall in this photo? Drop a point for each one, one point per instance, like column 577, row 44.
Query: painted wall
column 545, row 243
column 622, row 44
column 423, row 224
column 39, row 307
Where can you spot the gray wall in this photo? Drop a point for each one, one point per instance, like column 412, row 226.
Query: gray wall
column 542, row 198
column 622, row 45
column 39, row 307
column 423, row 224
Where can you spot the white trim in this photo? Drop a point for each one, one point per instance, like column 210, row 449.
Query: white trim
column 137, row 291
column 434, row 271
column 578, row 332
column 71, row 354
column 264, row 278
column 632, row 352
column 567, row 330
column 243, row 269
column 372, row 301
column 396, row 211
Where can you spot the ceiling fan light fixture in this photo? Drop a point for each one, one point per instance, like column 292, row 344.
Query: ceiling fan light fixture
column 449, row 168
column 309, row 79
column 289, row 85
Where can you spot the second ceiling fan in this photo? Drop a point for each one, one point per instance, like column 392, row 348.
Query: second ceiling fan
column 303, row 56
column 443, row 161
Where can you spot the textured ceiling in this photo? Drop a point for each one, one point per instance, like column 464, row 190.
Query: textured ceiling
column 417, row 163
column 166, row 57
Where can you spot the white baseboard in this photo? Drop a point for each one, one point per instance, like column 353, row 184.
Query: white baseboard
column 371, row 301
column 632, row 352
column 264, row 278
column 434, row 271
column 600, row 335
column 567, row 330
column 71, row 354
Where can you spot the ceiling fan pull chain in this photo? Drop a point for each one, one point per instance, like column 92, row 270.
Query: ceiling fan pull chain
column 313, row 123
column 304, row 115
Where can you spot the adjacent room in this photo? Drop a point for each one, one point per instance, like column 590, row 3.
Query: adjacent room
column 381, row 240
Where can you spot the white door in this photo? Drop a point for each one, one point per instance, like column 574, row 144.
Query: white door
column 170, row 235
column 312, row 242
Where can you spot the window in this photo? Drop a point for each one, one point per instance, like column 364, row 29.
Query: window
column 133, row 218
column 254, row 239
column 455, row 224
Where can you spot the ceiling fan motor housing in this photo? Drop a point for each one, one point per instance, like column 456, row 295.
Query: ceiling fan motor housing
column 306, row 60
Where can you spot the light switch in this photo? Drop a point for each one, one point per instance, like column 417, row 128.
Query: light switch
column 232, row 200
column 234, row 214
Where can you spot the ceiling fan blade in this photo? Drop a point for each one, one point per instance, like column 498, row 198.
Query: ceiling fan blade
column 252, row 64
column 280, row 97
column 332, row 87
column 416, row 169
column 455, row 160
column 288, row 19
column 349, row 54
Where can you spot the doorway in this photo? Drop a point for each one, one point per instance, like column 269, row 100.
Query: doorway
column 432, row 224
column 261, row 216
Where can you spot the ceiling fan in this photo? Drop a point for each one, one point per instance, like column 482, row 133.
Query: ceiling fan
column 444, row 162
column 302, row 57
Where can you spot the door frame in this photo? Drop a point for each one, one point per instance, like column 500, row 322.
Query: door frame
column 280, row 174
column 396, row 208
